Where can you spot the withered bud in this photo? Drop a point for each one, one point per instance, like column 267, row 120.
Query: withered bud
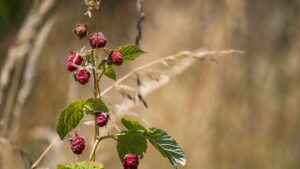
column 80, row 30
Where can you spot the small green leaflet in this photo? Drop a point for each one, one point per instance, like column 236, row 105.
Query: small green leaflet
column 70, row 118
column 109, row 71
column 167, row 146
column 81, row 165
column 131, row 142
column 130, row 52
column 132, row 124
column 96, row 105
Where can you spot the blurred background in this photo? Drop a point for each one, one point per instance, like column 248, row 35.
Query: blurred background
column 239, row 112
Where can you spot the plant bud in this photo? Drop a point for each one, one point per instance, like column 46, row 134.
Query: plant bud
column 80, row 30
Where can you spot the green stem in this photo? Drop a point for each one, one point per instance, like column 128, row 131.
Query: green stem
column 96, row 96
column 102, row 73
column 98, row 140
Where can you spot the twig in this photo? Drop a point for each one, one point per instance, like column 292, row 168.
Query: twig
column 141, row 18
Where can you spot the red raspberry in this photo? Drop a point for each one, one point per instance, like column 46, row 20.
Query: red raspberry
column 97, row 40
column 80, row 30
column 101, row 119
column 82, row 76
column 71, row 61
column 130, row 161
column 77, row 144
column 116, row 58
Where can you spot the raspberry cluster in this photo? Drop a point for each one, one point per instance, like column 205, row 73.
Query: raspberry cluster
column 115, row 58
column 74, row 61
column 78, row 63
column 97, row 40
column 77, row 144
column 130, row 161
column 101, row 119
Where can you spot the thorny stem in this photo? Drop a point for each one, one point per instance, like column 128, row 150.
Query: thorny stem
column 96, row 96
column 96, row 89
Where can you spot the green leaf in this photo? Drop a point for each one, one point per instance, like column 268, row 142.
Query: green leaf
column 96, row 105
column 109, row 71
column 131, row 143
column 70, row 118
column 132, row 124
column 167, row 146
column 130, row 52
column 80, row 165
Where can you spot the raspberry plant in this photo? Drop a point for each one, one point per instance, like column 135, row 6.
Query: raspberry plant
column 132, row 143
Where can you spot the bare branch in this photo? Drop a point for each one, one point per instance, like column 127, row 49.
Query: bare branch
column 141, row 18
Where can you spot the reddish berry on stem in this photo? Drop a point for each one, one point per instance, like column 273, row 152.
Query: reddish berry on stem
column 77, row 144
column 116, row 58
column 80, row 30
column 101, row 119
column 130, row 161
column 71, row 61
column 82, row 76
column 97, row 40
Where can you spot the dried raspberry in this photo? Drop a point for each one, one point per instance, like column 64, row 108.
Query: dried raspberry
column 77, row 144
column 101, row 119
column 97, row 40
column 80, row 30
column 116, row 58
column 130, row 161
column 70, row 64
column 82, row 76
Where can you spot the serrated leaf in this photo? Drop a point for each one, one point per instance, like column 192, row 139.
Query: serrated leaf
column 70, row 118
column 96, row 105
column 131, row 124
column 109, row 71
column 131, row 143
column 80, row 165
column 130, row 52
column 167, row 146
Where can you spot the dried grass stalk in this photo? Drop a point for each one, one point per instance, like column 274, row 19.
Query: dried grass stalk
column 16, row 56
column 148, row 80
